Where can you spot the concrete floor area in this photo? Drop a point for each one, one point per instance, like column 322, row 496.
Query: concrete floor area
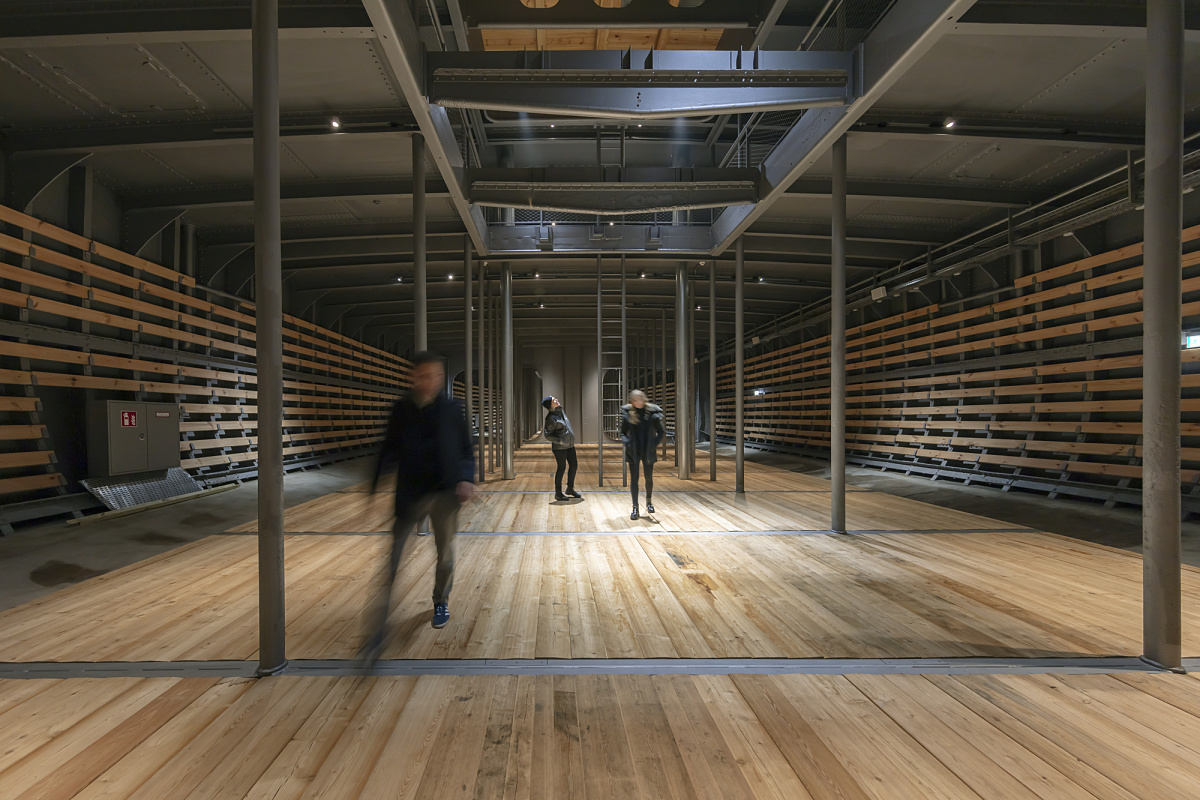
column 42, row 559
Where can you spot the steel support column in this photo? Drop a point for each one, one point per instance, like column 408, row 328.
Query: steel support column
column 480, row 466
column 494, row 379
column 837, row 338
column 712, row 370
column 268, row 253
column 739, row 364
column 1161, row 578
column 624, row 365
column 662, row 342
column 693, row 382
column 600, row 368
column 488, row 385
column 508, row 390
column 682, row 368
column 469, row 321
column 420, row 296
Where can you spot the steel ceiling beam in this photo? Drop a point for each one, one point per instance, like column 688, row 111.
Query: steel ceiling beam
column 1062, row 137
column 1078, row 29
column 596, row 190
column 906, row 33
column 1072, row 18
column 922, row 191
column 400, row 41
column 602, row 238
column 56, row 24
column 222, row 196
column 640, row 84
column 206, row 133
column 491, row 14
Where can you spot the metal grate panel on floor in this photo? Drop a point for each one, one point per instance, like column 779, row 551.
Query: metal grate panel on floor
column 126, row 491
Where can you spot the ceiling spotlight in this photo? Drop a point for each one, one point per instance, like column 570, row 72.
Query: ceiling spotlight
column 551, row 224
column 702, row 263
column 537, row 274
column 335, row 123
column 399, row 280
column 761, row 279
column 697, row 308
column 449, row 277
column 551, row 124
column 642, row 275
column 541, row 305
column 948, row 123
column 610, row 224
column 639, row 124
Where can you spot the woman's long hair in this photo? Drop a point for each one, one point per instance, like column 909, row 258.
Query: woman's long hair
column 633, row 418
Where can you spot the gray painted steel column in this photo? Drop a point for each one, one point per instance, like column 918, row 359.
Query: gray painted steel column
column 269, row 337
column 712, row 370
column 600, row 368
column 420, row 304
column 508, row 404
column 739, row 365
column 693, row 383
column 837, row 338
column 494, row 377
column 489, row 388
column 662, row 341
column 479, row 467
column 1161, row 579
column 624, row 366
column 469, row 314
column 682, row 388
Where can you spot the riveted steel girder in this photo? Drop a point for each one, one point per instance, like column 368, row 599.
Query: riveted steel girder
column 602, row 238
column 612, row 191
column 641, row 84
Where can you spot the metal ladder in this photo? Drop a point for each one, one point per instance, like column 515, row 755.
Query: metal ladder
column 610, row 153
column 610, row 362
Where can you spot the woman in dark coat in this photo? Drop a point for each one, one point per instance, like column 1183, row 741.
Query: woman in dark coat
column 642, row 429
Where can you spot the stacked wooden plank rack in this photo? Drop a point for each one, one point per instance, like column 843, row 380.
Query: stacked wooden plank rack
column 1037, row 385
column 83, row 316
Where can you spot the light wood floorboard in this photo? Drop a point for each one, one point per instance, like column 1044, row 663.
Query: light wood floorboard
column 795, row 737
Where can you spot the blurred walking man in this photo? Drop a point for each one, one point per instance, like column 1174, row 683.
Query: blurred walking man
column 429, row 446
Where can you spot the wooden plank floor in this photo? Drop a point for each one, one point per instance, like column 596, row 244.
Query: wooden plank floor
column 777, row 500
column 796, row 737
column 691, row 596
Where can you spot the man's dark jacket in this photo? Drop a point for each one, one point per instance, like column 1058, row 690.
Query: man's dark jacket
column 454, row 452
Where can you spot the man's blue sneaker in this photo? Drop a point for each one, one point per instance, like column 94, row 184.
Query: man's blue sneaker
column 441, row 614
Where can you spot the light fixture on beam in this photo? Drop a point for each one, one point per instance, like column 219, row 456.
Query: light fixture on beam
column 335, row 123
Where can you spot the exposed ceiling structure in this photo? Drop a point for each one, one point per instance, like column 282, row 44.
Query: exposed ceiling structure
column 559, row 133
